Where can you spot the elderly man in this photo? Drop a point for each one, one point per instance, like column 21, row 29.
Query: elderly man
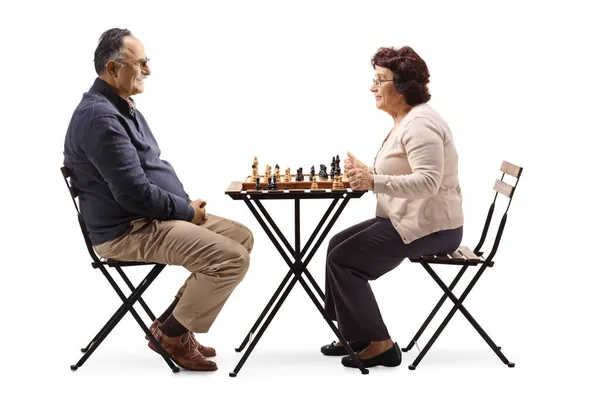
column 136, row 209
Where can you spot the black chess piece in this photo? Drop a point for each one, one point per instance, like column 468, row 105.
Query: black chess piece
column 257, row 187
column 323, row 171
column 270, row 184
column 333, row 169
column 300, row 175
column 275, row 186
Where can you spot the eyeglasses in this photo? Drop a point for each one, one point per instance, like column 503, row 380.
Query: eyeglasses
column 378, row 82
column 142, row 64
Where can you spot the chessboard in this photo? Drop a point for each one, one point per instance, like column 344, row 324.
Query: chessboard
column 321, row 183
column 324, row 179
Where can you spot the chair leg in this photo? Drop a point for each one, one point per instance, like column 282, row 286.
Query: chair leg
column 101, row 336
column 458, row 306
column 127, row 305
column 132, row 288
column 106, row 326
column 433, row 312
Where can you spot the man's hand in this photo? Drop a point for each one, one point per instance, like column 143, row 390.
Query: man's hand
column 353, row 163
column 361, row 179
column 199, row 212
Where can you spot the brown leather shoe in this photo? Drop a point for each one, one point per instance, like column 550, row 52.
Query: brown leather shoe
column 183, row 351
column 206, row 351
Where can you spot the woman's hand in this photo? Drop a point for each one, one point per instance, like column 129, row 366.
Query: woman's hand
column 361, row 179
column 352, row 162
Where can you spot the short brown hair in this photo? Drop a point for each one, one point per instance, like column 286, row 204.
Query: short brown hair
column 411, row 74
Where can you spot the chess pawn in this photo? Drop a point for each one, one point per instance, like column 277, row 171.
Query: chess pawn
column 314, row 183
column 287, row 176
column 337, row 183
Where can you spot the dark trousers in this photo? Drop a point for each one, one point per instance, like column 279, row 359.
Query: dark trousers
column 365, row 252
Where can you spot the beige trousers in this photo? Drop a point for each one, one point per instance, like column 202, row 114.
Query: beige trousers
column 216, row 253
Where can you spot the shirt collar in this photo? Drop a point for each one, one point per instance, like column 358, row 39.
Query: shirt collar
column 103, row 88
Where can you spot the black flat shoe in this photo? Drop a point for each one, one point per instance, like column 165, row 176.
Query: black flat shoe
column 333, row 350
column 389, row 358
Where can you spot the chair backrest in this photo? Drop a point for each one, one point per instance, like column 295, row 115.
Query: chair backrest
column 507, row 190
column 67, row 175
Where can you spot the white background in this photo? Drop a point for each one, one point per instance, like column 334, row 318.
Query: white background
column 289, row 83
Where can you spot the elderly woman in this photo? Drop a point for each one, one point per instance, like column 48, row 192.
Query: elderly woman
column 419, row 206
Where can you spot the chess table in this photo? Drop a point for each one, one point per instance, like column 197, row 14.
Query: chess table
column 300, row 256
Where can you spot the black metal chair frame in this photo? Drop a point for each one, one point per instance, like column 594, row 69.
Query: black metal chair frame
column 465, row 257
column 128, row 301
column 297, row 266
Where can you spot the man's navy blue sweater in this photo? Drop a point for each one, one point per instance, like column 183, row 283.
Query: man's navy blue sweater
column 116, row 167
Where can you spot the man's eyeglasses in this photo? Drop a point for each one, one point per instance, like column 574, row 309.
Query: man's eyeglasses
column 142, row 64
column 378, row 82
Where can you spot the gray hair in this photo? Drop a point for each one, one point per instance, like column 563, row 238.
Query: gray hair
column 109, row 48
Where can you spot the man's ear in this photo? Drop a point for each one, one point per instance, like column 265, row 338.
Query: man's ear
column 111, row 68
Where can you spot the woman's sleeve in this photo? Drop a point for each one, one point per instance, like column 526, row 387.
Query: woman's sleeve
column 424, row 144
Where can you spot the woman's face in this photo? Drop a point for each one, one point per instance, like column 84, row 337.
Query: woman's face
column 387, row 97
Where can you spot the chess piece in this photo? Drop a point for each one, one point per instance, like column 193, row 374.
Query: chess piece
column 333, row 169
column 287, row 177
column 323, row 171
column 255, row 167
column 314, row 183
column 274, row 186
column 277, row 175
column 257, row 187
column 337, row 183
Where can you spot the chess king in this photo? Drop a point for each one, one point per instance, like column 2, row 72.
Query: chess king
column 135, row 207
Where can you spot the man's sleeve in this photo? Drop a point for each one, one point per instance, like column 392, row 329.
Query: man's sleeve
column 109, row 148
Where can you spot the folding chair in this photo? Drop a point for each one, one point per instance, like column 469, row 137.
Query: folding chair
column 467, row 257
column 128, row 302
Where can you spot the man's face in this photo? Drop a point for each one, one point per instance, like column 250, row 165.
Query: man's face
column 132, row 68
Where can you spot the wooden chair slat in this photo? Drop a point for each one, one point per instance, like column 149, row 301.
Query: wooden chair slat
column 468, row 253
column 510, row 169
column 504, row 188
column 458, row 256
